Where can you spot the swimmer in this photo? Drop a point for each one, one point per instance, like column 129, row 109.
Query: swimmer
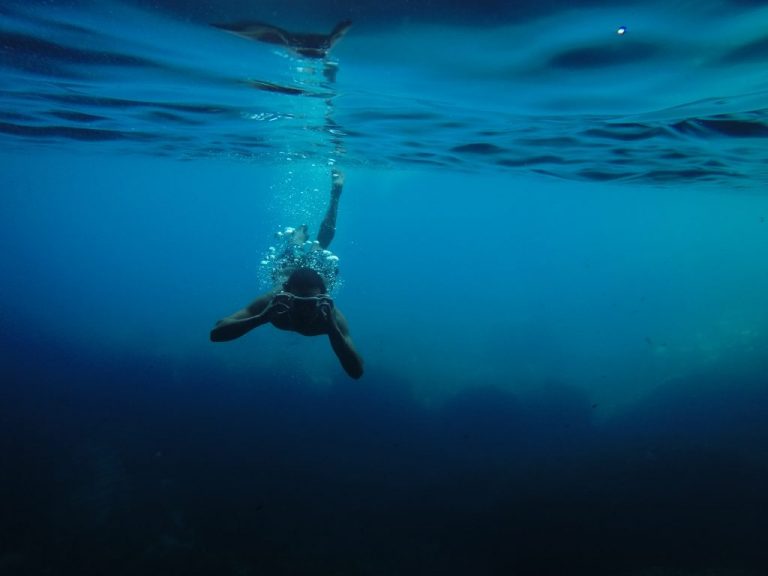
column 302, row 304
column 308, row 45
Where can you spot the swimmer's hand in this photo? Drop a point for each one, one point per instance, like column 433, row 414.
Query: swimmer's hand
column 281, row 303
column 326, row 309
column 337, row 178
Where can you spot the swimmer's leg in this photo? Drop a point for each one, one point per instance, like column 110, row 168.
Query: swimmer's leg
column 328, row 226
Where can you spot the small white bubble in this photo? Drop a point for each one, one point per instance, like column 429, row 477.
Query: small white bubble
column 621, row 30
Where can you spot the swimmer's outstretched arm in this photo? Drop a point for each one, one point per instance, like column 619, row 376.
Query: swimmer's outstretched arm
column 242, row 321
column 328, row 225
column 338, row 334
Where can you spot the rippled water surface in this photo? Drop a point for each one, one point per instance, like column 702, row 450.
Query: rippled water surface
column 558, row 92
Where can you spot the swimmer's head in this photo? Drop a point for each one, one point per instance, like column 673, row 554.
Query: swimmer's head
column 305, row 282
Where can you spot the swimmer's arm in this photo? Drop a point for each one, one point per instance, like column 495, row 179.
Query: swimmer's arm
column 242, row 321
column 338, row 334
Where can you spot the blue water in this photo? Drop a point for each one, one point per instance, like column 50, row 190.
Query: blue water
column 553, row 249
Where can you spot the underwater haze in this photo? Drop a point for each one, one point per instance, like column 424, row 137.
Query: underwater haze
column 553, row 256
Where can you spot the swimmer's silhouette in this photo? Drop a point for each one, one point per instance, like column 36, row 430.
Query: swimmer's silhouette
column 309, row 45
column 300, row 302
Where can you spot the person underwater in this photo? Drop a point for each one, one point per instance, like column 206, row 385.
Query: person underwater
column 300, row 302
